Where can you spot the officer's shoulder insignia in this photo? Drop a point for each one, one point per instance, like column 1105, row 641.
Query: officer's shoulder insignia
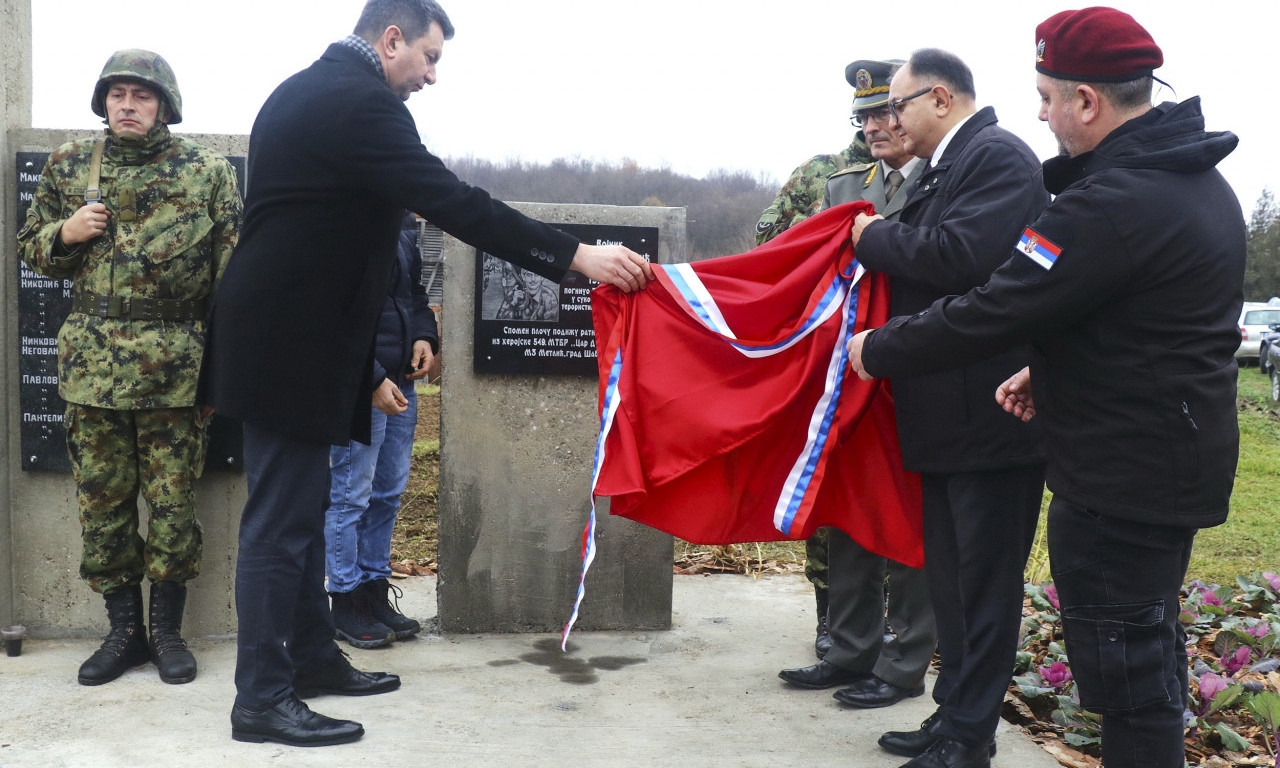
column 857, row 168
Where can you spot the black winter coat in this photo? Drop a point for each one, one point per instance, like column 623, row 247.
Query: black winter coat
column 960, row 223
column 1136, row 322
column 406, row 313
column 334, row 160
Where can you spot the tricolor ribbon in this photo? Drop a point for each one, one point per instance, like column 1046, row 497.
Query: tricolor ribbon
column 589, row 533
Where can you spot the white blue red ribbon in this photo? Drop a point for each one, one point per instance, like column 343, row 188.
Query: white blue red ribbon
column 611, row 401
column 799, row 481
column 701, row 305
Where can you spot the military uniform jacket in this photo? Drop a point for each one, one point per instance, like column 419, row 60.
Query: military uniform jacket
column 1129, row 285
column 960, row 222
column 334, row 161
column 865, row 181
column 801, row 195
column 174, row 212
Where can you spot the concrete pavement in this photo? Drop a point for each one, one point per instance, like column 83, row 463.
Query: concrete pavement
column 704, row 693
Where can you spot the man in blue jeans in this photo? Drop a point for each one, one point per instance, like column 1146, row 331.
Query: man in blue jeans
column 367, row 480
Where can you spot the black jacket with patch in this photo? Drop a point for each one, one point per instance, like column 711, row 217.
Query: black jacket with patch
column 1135, row 322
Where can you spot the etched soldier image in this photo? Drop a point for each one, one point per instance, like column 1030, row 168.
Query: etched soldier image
column 511, row 293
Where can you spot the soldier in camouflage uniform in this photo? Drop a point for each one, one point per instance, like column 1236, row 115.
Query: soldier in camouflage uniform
column 143, row 230
column 800, row 198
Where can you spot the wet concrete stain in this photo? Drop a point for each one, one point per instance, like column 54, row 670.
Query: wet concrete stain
column 569, row 668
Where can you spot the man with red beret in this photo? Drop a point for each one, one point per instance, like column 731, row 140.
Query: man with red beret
column 1129, row 286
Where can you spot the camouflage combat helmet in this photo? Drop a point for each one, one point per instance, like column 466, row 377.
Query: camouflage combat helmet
column 150, row 68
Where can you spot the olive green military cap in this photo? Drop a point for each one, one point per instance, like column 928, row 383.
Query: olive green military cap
column 150, row 68
column 870, row 81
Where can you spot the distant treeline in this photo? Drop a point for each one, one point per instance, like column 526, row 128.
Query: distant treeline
column 1262, row 265
column 722, row 208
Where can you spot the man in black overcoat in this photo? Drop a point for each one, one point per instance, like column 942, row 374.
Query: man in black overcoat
column 334, row 159
column 982, row 473
column 1129, row 285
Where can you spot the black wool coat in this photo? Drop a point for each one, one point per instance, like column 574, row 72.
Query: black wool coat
column 960, row 223
column 334, row 160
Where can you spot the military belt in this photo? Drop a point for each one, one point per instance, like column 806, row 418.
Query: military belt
column 134, row 308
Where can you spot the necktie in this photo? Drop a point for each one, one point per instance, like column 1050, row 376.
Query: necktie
column 892, row 182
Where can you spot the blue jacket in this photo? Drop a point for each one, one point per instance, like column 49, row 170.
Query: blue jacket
column 406, row 314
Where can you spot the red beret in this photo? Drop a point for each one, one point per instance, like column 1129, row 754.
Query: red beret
column 1095, row 45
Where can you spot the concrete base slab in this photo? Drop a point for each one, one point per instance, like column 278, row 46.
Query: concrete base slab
column 703, row 693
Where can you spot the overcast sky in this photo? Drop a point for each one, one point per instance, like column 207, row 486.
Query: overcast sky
column 694, row 85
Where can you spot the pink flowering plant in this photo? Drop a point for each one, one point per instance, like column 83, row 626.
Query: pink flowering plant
column 1233, row 709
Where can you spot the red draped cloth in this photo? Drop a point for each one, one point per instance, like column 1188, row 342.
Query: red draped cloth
column 730, row 411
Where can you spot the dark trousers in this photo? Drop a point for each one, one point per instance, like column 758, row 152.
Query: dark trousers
column 857, row 614
column 281, row 606
column 978, row 531
column 1118, row 582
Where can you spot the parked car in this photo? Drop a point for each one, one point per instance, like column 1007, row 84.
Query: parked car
column 1265, row 362
column 1275, row 372
column 1256, row 318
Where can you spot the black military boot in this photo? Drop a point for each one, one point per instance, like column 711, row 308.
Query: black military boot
column 380, row 593
column 168, row 649
column 822, row 643
column 353, row 619
column 125, row 646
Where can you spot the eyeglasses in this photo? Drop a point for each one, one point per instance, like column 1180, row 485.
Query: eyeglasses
column 880, row 115
column 895, row 106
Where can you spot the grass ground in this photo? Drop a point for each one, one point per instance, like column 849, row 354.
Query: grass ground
column 1248, row 541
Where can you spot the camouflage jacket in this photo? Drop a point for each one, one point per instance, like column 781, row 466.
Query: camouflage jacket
column 180, row 219
column 801, row 196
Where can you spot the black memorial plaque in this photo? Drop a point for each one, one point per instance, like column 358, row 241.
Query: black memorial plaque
column 43, row 304
column 527, row 324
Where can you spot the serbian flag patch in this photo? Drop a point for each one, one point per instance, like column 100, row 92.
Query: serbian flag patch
column 1041, row 250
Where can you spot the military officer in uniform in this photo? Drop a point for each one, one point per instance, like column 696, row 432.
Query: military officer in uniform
column 800, row 198
column 142, row 222
column 880, row 668
column 801, row 195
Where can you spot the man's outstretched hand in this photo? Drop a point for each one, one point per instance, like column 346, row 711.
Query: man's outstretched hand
column 616, row 265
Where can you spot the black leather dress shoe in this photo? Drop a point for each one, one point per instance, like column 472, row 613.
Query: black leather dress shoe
column 949, row 753
column 917, row 742
column 291, row 722
column 873, row 693
column 341, row 679
column 824, row 674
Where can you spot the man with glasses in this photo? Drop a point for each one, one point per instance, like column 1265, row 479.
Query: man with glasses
column 982, row 473
column 880, row 668
column 1130, row 286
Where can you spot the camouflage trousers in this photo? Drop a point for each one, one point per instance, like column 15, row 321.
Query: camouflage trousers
column 815, row 558
column 115, row 455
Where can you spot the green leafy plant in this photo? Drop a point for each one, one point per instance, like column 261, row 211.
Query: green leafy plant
column 1234, row 651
